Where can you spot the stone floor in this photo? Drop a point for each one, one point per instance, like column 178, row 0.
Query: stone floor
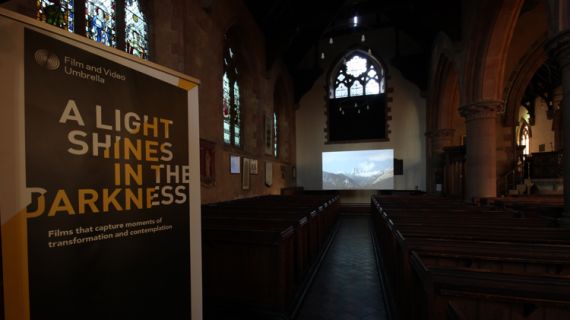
column 347, row 285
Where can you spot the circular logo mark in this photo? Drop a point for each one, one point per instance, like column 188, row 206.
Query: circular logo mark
column 46, row 59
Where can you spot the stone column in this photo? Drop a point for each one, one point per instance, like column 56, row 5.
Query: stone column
column 438, row 139
column 481, row 150
column 559, row 48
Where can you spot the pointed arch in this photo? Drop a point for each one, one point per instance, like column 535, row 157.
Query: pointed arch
column 485, row 61
column 231, row 92
column 517, row 87
column 444, row 84
column 251, row 53
column 357, row 73
column 283, row 106
column 357, row 103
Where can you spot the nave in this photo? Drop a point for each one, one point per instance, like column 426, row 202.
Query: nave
column 347, row 285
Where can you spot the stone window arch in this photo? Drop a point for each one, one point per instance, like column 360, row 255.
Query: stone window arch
column 231, row 96
column 357, row 102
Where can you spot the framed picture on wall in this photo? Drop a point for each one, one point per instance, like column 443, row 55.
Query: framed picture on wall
column 235, row 164
column 253, row 166
column 245, row 174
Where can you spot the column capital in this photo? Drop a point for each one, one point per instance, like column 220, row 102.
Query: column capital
column 440, row 133
column 481, row 110
column 559, row 48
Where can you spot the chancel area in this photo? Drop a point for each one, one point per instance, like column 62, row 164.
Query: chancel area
column 241, row 159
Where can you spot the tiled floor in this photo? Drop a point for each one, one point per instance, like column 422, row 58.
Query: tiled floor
column 347, row 285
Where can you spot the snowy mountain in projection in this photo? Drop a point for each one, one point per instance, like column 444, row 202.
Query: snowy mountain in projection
column 368, row 169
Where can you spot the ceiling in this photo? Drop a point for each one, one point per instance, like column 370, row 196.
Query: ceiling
column 294, row 27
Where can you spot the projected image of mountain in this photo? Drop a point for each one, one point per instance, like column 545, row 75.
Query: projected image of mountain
column 367, row 169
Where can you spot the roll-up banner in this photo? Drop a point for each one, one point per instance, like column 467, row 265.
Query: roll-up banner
column 99, row 180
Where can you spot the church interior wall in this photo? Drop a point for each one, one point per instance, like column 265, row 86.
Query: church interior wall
column 407, row 127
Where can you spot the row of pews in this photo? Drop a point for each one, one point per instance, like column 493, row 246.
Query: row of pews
column 257, row 252
column 444, row 259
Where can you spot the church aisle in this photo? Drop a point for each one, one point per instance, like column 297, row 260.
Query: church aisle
column 347, row 285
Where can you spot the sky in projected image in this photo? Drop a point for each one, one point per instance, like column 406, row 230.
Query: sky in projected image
column 366, row 169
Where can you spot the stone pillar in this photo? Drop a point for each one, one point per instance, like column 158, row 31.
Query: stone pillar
column 559, row 48
column 481, row 150
column 438, row 139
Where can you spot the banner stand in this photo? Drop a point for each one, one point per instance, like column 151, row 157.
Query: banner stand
column 100, row 181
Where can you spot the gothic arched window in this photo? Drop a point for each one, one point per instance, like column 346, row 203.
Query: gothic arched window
column 275, row 135
column 231, row 99
column 101, row 20
column 358, row 76
column 357, row 99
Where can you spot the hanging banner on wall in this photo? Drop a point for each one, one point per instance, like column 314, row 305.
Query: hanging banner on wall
column 107, row 183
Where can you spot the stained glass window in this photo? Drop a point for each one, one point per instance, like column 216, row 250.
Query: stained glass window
column 275, row 134
column 100, row 18
column 356, row 89
column 58, row 13
column 358, row 76
column 356, row 66
column 237, row 121
column 231, row 100
column 341, row 91
column 357, row 106
column 136, row 33
column 372, row 87
column 226, row 107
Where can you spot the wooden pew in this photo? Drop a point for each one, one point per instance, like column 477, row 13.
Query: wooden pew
column 469, row 238
column 258, row 272
column 300, row 223
column 258, row 251
column 481, row 294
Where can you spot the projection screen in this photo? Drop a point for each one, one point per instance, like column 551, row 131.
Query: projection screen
column 356, row 170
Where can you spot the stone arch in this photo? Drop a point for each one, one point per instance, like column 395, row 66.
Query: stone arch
column 243, row 29
column 377, row 61
column 250, row 76
column 445, row 86
column 520, row 80
column 283, row 101
column 443, row 103
column 377, row 103
column 490, row 38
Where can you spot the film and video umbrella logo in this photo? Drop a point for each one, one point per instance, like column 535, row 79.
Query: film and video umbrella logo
column 46, row 59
